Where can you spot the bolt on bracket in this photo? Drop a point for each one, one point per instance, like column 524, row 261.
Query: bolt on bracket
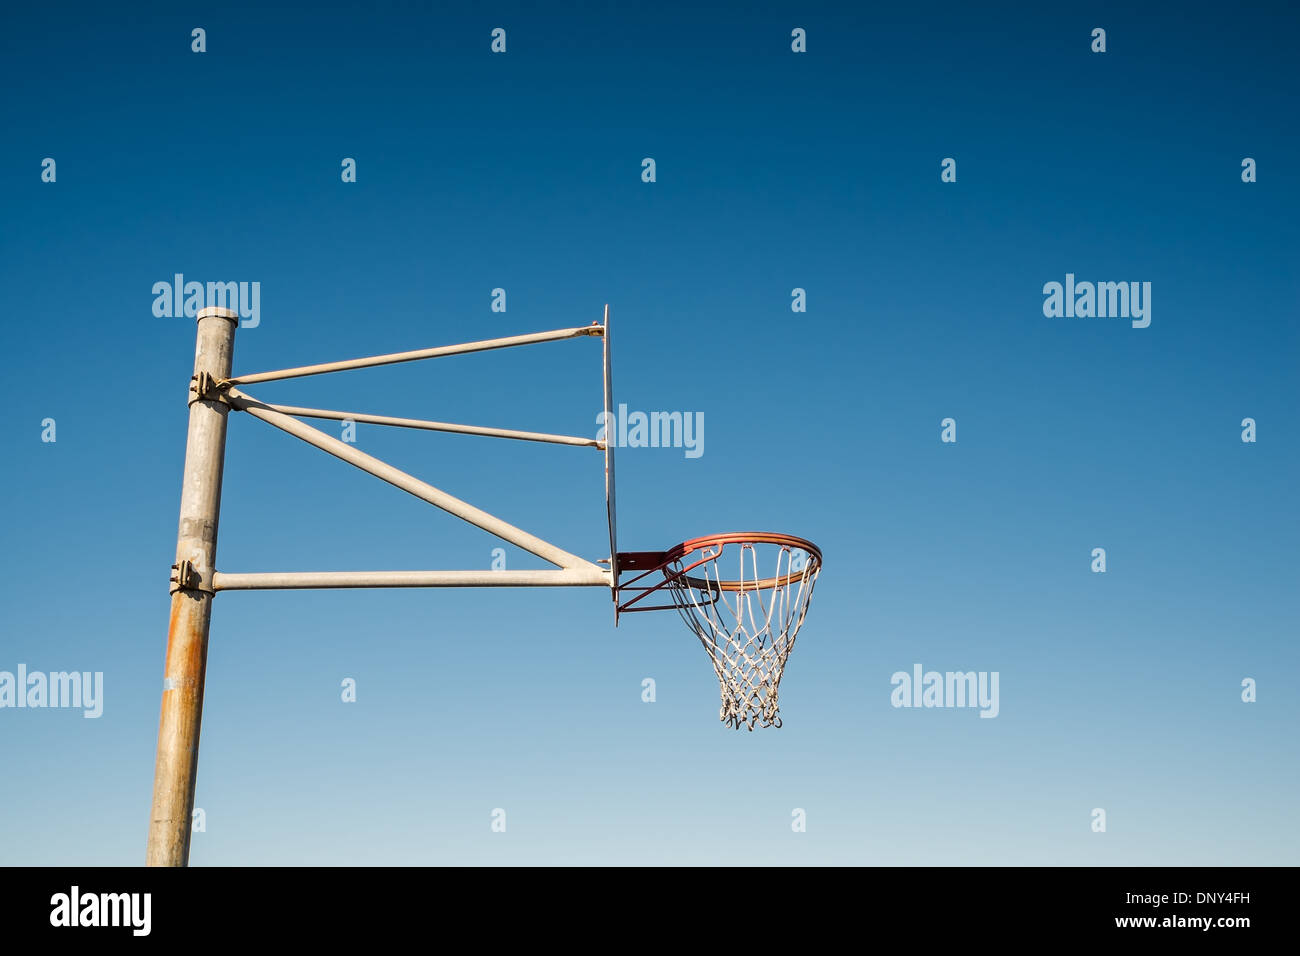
column 204, row 386
column 185, row 578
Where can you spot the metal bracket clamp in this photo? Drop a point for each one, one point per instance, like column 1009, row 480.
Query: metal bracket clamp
column 204, row 386
column 185, row 578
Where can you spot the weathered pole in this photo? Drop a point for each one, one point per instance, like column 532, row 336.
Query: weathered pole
column 191, row 595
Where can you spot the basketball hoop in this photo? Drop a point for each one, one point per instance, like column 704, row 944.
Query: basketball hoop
column 746, row 622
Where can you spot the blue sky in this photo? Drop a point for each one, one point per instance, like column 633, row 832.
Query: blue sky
column 775, row 170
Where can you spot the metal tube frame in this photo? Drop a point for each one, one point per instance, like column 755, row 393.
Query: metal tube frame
column 418, row 354
column 573, row 570
column 213, row 393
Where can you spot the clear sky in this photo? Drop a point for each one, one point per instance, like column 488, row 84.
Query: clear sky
column 775, row 170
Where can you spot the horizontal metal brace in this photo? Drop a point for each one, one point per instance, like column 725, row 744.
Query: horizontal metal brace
column 576, row 577
column 416, row 355
column 365, row 419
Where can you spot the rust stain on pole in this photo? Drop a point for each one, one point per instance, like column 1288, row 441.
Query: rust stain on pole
column 176, row 767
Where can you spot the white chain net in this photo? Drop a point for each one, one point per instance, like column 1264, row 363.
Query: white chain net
column 748, row 632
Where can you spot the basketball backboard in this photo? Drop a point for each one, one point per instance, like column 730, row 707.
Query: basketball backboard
column 611, row 439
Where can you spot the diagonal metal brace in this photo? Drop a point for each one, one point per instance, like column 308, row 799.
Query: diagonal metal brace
column 242, row 401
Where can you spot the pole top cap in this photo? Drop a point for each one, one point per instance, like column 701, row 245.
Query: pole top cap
column 216, row 312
